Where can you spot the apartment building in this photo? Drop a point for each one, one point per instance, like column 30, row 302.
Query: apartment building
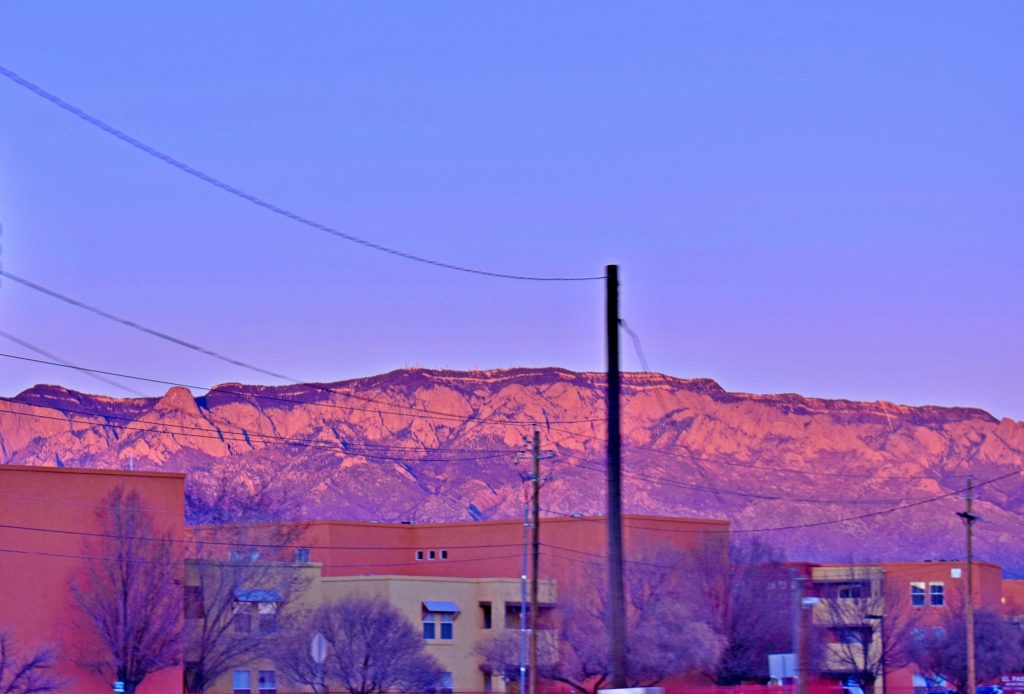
column 459, row 583
column 861, row 612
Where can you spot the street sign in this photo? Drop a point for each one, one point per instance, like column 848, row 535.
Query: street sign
column 317, row 649
column 781, row 666
column 119, row 687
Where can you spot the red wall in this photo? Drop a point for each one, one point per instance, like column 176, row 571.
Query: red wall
column 492, row 549
column 36, row 566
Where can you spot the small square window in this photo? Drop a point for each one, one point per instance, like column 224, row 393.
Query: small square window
column 937, row 593
column 302, row 555
column 956, row 572
column 243, row 622
column 419, row 555
column 917, row 594
column 267, row 682
column 241, row 682
column 431, row 555
column 444, row 554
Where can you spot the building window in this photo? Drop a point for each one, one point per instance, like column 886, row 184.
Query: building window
column 267, row 682
column 853, row 590
column 419, row 555
column 447, row 683
column 243, row 620
column 444, row 554
column 853, row 635
column 194, row 608
column 431, row 620
column 267, row 617
column 244, row 555
column 937, row 593
column 302, row 555
column 431, row 555
column 917, row 594
column 241, row 682
column 485, row 615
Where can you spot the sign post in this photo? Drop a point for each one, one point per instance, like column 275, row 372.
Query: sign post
column 318, row 652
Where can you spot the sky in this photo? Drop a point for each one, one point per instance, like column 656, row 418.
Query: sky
column 820, row 198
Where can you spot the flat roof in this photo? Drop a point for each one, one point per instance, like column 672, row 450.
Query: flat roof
column 516, row 521
column 91, row 471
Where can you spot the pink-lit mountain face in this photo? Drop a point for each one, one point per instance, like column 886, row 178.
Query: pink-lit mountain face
column 438, row 445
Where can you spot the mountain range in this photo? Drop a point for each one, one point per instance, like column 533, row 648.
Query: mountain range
column 823, row 480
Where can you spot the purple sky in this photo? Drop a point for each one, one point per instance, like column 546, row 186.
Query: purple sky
column 823, row 198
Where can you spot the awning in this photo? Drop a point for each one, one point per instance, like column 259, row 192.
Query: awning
column 440, row 606
column 257, row 595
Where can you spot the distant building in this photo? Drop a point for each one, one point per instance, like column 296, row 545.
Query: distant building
column 861, row 610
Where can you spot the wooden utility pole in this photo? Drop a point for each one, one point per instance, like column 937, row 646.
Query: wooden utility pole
column 616, row 585
column 969, row 519
column 534, row 603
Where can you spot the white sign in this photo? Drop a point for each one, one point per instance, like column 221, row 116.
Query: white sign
column 781, row 666
column 318, row 648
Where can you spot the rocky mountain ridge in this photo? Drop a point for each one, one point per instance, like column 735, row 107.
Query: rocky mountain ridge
column 426, row 445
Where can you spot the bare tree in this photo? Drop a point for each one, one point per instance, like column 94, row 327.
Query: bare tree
column 128, row 595
column 371, row 649
column 941, row 651
column 863, row 627
column 230, row 499
column 745, row 596
column 500, row 654
column 241, row 585
column 667, row 635
column 26, row 674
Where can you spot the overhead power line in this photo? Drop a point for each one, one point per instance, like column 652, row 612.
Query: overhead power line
column 687, row 456
column 420, row 413
column 437, row 415
column 63, row 362
column 813, row 524
column 258, row 201
column 655, row 479
column 300, row 567
column 233, row 437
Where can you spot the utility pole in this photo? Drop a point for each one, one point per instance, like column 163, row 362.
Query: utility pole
column 522, row 603
column 969, row 518
column 534, row 606
column 616, row 587
column 799, row 632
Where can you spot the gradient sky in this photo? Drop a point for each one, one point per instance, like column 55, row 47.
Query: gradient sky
column 823, row 198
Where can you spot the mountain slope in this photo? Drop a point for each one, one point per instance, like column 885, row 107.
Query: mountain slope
column 437, row 445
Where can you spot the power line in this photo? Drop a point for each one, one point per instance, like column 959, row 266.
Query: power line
column 245, row 438
column 284, row 565
column 247, row 545
column 814, row 524
column 422, row 413
column 258, row 201
column 718, row 490
column 63, row 362
column 750, row 466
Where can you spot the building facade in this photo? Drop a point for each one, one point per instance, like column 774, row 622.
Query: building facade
column 50, row 533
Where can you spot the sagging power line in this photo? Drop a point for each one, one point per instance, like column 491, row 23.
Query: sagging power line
column 261, row 202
